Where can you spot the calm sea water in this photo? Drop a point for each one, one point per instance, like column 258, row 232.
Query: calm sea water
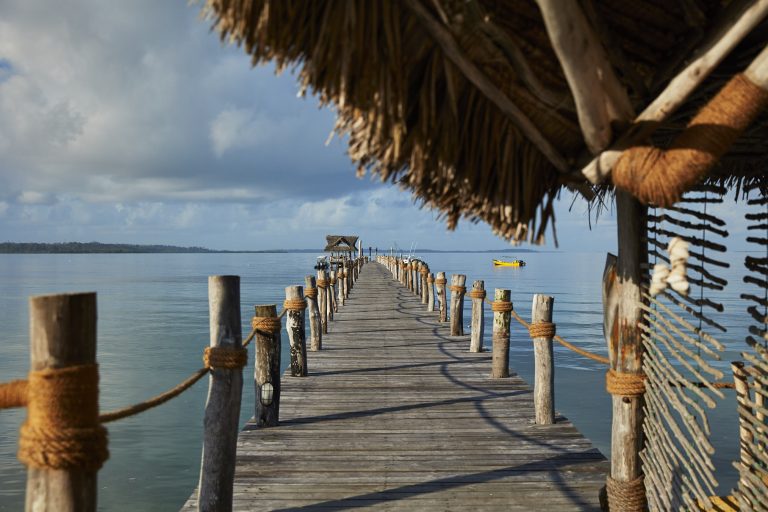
column 153, row 325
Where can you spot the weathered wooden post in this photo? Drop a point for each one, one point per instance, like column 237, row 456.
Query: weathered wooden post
column 416, row 272
column 63, row 343
column 542, row 330
column 424, row 284
column 622, row 301
column 440, row 285
column 741, row 387
column 502, row 316
column 347, row 279
column 478, row 319
column 342, row 282
column 294, row 324
column 332, row 294
column 226, row 358
column 457, row 304
column 267, row 367
column 329, row 291
column 322, row 299
column 315, row 327
column 431, row 292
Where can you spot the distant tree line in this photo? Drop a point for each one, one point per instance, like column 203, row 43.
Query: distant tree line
column 92, row 247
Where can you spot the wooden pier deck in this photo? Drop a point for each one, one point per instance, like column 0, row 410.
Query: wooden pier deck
column 398, row 415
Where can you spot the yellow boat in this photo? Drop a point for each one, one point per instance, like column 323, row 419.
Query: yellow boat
column 513, row 263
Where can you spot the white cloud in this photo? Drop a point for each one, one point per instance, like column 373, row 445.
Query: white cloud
column 33, row 197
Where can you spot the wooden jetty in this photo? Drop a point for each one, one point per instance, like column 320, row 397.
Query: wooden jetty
column 396, row 414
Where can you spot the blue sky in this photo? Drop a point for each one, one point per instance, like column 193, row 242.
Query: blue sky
column 131, row 122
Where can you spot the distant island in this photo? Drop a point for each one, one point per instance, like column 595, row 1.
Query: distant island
column 98, row 247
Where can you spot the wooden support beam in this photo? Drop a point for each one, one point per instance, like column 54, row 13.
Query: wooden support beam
column 738, row 21
column 471, row 72
column 544, row 371
column 601, row 99
column 315, row 324
column 478, row 318
column 457, row 304
column 222, row 408
column 267, row 372
column 62, row 332
column 295, row 320
column 500, row 337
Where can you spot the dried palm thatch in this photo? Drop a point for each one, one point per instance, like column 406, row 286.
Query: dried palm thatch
column 464, row 102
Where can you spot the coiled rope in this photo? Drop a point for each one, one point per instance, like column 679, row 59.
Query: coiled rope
column 477, row 294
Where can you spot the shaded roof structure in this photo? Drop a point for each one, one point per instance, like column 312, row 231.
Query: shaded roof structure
column 486, row 110
column 340, row 243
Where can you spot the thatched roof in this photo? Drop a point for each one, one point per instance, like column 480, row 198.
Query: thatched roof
column 466, row 103
column 340, row 243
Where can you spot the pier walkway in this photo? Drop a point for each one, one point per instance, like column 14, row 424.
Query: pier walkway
column 398, row 415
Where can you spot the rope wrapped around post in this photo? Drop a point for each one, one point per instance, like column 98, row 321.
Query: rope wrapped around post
column 542, row 330
column 477, row 294
column 498, row 306
column 62, row 430
column 311, row 293
column 440, row 281
column 294, row 304
column 626, row 495
column 266, row 323
column 322, row 283
column 458, row 289
column 431, row 279
column 225, row 357
column 624, row 384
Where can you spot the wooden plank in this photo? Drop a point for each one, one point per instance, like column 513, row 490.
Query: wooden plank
column 398, row 415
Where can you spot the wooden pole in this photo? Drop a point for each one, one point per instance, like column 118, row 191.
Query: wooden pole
column 341, row 281
column 478, row 318
column 544, row 381
column 322, row 299
column 315, row 327
column 424, row 285
column 440, row 285
column 222, row 409
column 297, row 337
column 457, row 304
column 332, row 294
column 329, row 302
column 500, row 338
column 431, row 291
column 741, row 387
column 62, row 334
column 267, row 372
column 625, row 344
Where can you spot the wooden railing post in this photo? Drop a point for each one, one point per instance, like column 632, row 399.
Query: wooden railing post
column 441, row 298
column 500, row 338
column 329, row 302
column 431, row 292
column 457, row 304
column 544, row 380
column 342, row 282
column 222, row 409
column 741, row 387
column 322, row 299
column 478, row 318
column 315, row 327
column 416, row 279
column 623, row 304
column 424, row 284
column 332, row 294
column 62, row 334
column 267, row 371
column 297, row 337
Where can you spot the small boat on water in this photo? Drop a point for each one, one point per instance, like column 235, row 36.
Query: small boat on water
column 513, row 263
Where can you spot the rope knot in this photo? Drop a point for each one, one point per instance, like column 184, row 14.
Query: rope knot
column 624, row 384
column 542, row 330
column 295, row 304
column 225, row 357
column 501, row 306
column 477, row 294
column 266, row 323
column 62, row 430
